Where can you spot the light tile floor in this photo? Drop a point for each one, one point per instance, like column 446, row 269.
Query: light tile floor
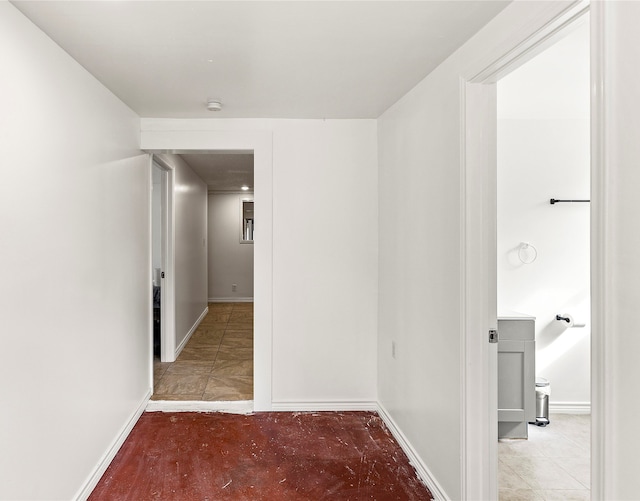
column 554, row 463
column 217, row 362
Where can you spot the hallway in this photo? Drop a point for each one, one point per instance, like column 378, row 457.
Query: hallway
column 217, row 362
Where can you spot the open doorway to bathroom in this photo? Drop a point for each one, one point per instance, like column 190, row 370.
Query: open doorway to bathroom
column 543, row 266
column 216, row 363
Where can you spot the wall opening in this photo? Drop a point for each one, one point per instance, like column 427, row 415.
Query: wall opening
column 216, row 363
column 543, row 262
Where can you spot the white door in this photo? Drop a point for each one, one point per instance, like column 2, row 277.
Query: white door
column 162, row 254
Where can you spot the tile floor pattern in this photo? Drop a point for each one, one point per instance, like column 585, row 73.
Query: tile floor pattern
column 554, row 463
column 217, row 362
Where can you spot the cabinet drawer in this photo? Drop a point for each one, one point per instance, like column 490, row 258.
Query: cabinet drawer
column 516, row 330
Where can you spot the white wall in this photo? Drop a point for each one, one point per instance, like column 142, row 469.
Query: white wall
column 325, row 266
column 539, row 160
column 324, row 273
column 75, row 292
column 419, row 245
column 190, row 250
column 543, row 153
column 421, row 301
column 230, row 262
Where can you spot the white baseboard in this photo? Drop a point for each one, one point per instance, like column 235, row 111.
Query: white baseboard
column 184, row 342
column 230, row 300
column 231, row 407
column 108, row 456
column 423, row 472
column 570, row 407
column 294, row 406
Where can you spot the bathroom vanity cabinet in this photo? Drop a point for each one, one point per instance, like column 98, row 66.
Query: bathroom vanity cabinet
column 516, row 375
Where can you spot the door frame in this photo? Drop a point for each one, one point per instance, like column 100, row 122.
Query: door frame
column 167, row 297
column 478, row 180
column 162, row 136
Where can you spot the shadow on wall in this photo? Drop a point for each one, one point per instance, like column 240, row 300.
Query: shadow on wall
column 556, row 337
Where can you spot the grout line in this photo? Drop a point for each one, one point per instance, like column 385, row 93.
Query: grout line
column 569, row 425
column 209, row 374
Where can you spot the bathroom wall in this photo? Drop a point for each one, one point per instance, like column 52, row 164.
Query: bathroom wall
column 230, row 262
column 543, row 153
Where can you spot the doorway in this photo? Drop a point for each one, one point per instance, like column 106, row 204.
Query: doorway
column 543, row 267
column 156, row 254
column 479, row 257
column 260, row 142
column 162, row 259
column 215, row 361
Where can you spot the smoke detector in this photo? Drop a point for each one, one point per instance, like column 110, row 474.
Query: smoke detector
column 214, row 104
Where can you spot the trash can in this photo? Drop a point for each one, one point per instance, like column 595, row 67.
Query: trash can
column 543, row 390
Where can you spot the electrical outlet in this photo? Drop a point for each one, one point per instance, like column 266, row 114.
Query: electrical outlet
column 393, row 349
column 234, row 287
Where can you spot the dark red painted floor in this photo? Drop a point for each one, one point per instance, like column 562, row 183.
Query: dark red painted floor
column 264, row 456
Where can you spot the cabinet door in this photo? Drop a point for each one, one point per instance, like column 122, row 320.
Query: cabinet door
column 516, row 386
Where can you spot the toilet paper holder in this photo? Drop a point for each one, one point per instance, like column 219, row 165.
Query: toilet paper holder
column 569, row 320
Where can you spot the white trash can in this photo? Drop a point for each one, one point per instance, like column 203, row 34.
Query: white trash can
column 543, row 391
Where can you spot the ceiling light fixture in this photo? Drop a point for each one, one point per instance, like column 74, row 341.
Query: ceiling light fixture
column 214, row 104
column 245, row 188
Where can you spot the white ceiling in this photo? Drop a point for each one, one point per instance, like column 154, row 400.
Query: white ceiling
column 300, row 59
column 223, row 171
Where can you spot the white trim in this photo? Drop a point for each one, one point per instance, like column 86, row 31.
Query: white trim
column 570, row 407
column 414, row 458
column 231, row 407
column 230, row 300
column 184, row 342
column 330, row 406
column 167, row 298
column 478, row 358
column 222, row 192
column 150, row 276
column 111, row 452
column 535, row 43
column 198, row 136
column 242, row 200
column 601, row 358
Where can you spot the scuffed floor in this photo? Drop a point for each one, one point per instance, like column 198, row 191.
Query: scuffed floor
column 264, row 456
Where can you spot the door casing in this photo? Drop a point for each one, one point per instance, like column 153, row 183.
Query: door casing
column 167, row 298
column 478, row 256
column 203, row 141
